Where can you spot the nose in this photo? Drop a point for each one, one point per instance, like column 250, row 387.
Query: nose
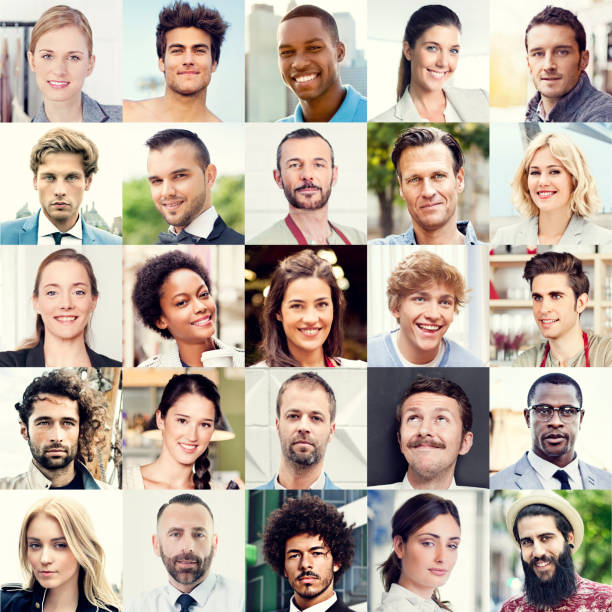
column 549, row 60
column 424, row 427
column 59, row 66
column 66, row 300
column 45, row 555
column 188, row 57
column 200, row 305
column 167, row 188
column 428, row 189
column 538, row 549
column 307, row 171
column 440, row 554
column 433, row 310
column 309, row 315
column 303, row 424
column 60, row 187
column 306, row 561
column 300, row 61
column 555, row 419
column 56, row 432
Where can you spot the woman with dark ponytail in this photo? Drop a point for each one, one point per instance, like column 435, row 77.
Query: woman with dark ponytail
column 426, row 534
column 430, row 54
column 188, row 412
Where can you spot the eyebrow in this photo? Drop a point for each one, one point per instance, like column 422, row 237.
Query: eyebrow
column 312, row 548
column 436, row 536
column 538, row 535
column 435, row 42
column 202, row 286
column 551, row 292
column 549, row 166
column 57, row 284
column 34, row 539
column 43, row 417
column 317, row 299
column 299, row 159
column 306, row 42
column 53, row 51
column 184, row 46
column 555, row 47
column 426, row 293
column 186, row 416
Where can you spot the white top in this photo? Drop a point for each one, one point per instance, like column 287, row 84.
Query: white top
column 408, row 364
column 546, row 469
column 215, row 594
column 320, row 607
column 46, row 228
column 319, row 483
column 201, row 226
column 405, row 484
column 400, row 599
column 172, row 359
column 132, row 479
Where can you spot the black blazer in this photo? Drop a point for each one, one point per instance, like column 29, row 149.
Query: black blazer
column 339, row 606
column 35, row 358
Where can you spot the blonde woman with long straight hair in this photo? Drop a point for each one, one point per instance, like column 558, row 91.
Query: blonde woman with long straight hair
column 62, row 562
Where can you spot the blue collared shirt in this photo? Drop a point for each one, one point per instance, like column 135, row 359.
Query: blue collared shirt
column 465, row 227
column 353, row 109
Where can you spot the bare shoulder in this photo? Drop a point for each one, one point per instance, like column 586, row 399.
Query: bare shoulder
column 143, row 110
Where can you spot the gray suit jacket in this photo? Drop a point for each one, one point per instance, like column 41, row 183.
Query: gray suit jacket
column 521, row 475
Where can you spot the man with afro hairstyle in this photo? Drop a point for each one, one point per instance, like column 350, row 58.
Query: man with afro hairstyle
column 309, row 542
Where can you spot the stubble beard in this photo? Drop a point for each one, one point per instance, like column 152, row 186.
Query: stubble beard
column 293, row 200
column 51, row 463
column 187, row 576
column 301, row 460
column 195, row 209
column 306, row 591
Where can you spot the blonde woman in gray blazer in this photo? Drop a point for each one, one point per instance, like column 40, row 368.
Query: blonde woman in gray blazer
column 430, row 54
column 556, row 193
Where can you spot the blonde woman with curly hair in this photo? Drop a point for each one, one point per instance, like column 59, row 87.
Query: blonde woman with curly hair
column 62, row 562
column 556, row 193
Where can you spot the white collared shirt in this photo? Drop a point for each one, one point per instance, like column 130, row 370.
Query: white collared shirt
column 319, row 483
column 46, row 228
column 405, row 484
column 215, row 594
column 320, row 607
column 408, row 364
column 201, row 226
column 546, row 469
column 400, row 599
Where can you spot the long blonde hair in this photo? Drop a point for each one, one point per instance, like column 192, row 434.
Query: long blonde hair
column 78, row 530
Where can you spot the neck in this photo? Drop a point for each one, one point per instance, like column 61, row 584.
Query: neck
column 66, row 225
column 312, row 223
column 552, row 225
column 423, row 592
column 172, row 473
column 561, row 461
column 303, row 603
column 324, row 107
column 60, row 352
column 180, row 107
column 65, row 111
column 63, row 598
column 308, row 359
column 60, row 477
column 191, row 354
column 413, row 354
column 187, row 588
column 449, row 234
column 294, row 476
column 430, row 104
column 568, row 345
column 442, row 480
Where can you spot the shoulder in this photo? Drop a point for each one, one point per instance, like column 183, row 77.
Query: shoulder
column 9, row 229
column 224, row 233
column 99, row 235
column 141, row 110
column 289, row 119
column 595, row 589
column 528, row 358
column 595, row 234
column 514, row 604
column 357, row 105
column 380, row 351
column 353, row 235
column 277, row 233
column 15, row 598
column 388, row 116
column 504, row 479
column 517, row 233
column 471, row 104
column 102, row 361
column 114, row 112
column 9, row 359
column 404, row 238
column 459, row 356
column 594, row 477
column 133, row 478
column 601, row 347
column 351, row 363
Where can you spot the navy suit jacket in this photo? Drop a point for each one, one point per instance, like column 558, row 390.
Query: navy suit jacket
column 521, row 475
column 25, row 231
column 270, row 485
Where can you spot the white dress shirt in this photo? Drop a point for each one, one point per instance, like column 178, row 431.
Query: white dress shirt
column 320, row 607
column 400, row 599
column 405, row 484
column 201, row 226
column 546, row 469
column 215, row 594
column 319, row 483
column 46, row 228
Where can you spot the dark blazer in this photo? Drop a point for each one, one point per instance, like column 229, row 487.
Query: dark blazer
column 339, row 606
column 220, row 234
column 25, row 231
column 35, row 358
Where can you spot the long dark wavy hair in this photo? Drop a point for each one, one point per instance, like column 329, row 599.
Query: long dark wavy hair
column 408, row 518
column 421, row 20
column 183, row 384
column 303, row 264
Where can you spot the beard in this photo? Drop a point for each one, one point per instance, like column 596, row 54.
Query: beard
column 313, row 457
column 39, row 454
column 188, row 576
column 310, row 591
column 309, row 204
column 192, row 211
column 561, row 584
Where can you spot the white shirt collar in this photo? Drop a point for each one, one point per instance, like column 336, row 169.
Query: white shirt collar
column 546, row 469
column 399, row 593
column 541, row 111
column 46, row 228
column 319, row 483
column 201, row 226
column 320, row 607
column 405, row 484
column 201, row 593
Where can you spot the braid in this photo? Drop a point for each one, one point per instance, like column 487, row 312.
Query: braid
column 201, row 475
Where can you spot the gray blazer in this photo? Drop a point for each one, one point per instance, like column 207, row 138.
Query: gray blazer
column 521, row 475
column 578, row 231
column 470, row 104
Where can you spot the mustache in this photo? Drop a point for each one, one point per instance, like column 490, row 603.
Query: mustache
column 55, row 447
column 546, row 558
column 308, row 574
column 187, row 557
column 422, row 440
column 307, row 185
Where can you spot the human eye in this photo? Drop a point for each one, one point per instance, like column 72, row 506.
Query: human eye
column 46, row 56
column 72, row 178
column 61, row 545
column 74, row 58
column 534, row 172
column 286, row 52
column 563, row 52
column 439, row 175
column 292, row 416
column 317, row 419
column 432, row 48
column 295, row 306
column 204, row 294
column 33, row 545
column 413, row 180
column 447, row 302
column 323, row 305
column 318, row 553
column 543, row 410
column 314, row 48
column 293, row 555
column 181, row 420
column 568, row 411
column 206, row 425
column 412, row 418
column 537, row 53
column 180, row 303
column 418, row 299
column 455, row 51
column 69, row 424
column 556, row 296
column 442, row 418
column 427, row 543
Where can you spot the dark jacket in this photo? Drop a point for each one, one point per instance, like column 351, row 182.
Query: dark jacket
column 17, row 599
column 339, row 606
column 220, row 234
column 35, row 358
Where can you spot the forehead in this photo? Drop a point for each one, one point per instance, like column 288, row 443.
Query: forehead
column 57, row 406
column 443, row 525
column 304, row 542
column 178, row 155
column 195, row 406
column 431, row 402
column 532, row 526
column 184, row 516
column 556, row 395
column 304, row 396
column 425, row 159
column 435, row 289
column 299, row 30
column 543, row 156
column 62, row 162
column 307, row 288
column 545, row 35
column 545, row 283
column 64, row 270
column 305, row 148
column 448, row 34
column 44, row 526
column 181, row 280
column 187, row 37
column 68, row 37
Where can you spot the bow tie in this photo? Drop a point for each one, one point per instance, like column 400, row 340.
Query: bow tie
column 182, row 238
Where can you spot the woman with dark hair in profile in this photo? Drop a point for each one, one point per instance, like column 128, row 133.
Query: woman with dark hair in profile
column 430, row 54
column 426, row 535
column 64, row 297
column 189, row 410
column 302, row 315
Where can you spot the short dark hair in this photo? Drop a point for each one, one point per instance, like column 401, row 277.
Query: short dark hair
column 552, row 262
column 309, row 379
column 555, row 378
column 309, row 10
column 181, row 15
column 185, row 499
column 311, row 515
column 150, row 279
column 563, row 525
column 91, row 406
column 440, row 386
column 421, row 136
column 554, row 15
column 166, row 138
column 301, row 133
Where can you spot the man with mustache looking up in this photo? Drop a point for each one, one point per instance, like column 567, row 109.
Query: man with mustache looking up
column 554, row 415
column 306, row 172
column 186, row 542
column 308, row 542
column 305, row 423
column 548, row 531
column 434, row 421
column 61, row 419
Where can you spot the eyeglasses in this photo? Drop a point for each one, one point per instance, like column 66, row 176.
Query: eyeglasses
column 544, row 412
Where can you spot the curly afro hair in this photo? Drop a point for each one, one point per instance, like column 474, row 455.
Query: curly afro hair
column 311, row 515
column 150, row 279
column 92, row 406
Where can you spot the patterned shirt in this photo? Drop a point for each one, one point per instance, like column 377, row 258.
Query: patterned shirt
column 589, row 597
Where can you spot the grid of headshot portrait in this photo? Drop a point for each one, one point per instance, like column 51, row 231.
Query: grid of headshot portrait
column 357, row 365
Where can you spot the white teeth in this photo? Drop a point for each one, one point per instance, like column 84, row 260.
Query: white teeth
column 201, row 322
column 305, row 78
column 437, row 75
column 65, row 318
column 310, row 332
column 549, row 320
column 429, row 327
column 546, row 194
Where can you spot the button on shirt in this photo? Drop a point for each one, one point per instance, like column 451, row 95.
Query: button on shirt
column 201, row 226
column 46, row 229
column 320, row 607
column 215, row 594
column 546, row 469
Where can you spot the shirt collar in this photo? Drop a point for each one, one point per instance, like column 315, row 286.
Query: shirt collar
column 405, row 483
column 319, row 483
column 320, row 607
column 541, row 111
column 345, row 111
column 46, row 228
column 202, row 225
column 201, row 593
column 465, row 227
column 546, row 469
column 396, row 591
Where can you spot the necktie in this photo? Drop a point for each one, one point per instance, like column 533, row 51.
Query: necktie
column 562, row 477
column 182, row 238
column 57, row 236
column 186, row 601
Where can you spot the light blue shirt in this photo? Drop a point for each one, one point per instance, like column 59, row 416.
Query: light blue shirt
column 465, row 227
column 353, row 109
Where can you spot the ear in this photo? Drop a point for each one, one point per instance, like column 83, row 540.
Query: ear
column 460, row 180
column 340, row 51
column 277, row 178
column 88, row 182
column 215, row 542
column 214, row 66
column 399, row 182
column 399, row 440
column 570, row 537
column 276, row 423
column 279, row 317
column 211, row 175
column 398, row 546
column 334, row 175
column 34, row 182
column 23, row 430
column 161, row 323
column 92, row 63
column 582, row 302
column 406, row 50
column 526, row 414
column 31, row 61
column 332, row 431
column 94, row 303
column 336, row 567
column 528, row 64
column 159, row 420
column 468, row 440
column 161, row 65
column 581, row 417
column 155, row 541
column 35, row 304
column 584, row 60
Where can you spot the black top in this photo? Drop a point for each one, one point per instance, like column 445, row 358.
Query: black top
column 35, row 358
column 220, row 234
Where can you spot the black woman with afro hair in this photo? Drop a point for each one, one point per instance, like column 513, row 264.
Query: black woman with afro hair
column 309, row 542
column 172, row 297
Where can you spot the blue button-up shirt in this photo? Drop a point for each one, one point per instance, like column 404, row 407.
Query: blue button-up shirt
column 353, row 109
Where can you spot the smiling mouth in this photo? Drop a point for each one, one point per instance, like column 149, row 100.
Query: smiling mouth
column 544, row 195
column 58, row 84
column 188, row 448
column 437, row 572
column 428, row 328
column 436, row 74
column 310, row 331
column 305, row 78
column 66, row 318
column 203, row 322
column 548, row 321
column 172, row 204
